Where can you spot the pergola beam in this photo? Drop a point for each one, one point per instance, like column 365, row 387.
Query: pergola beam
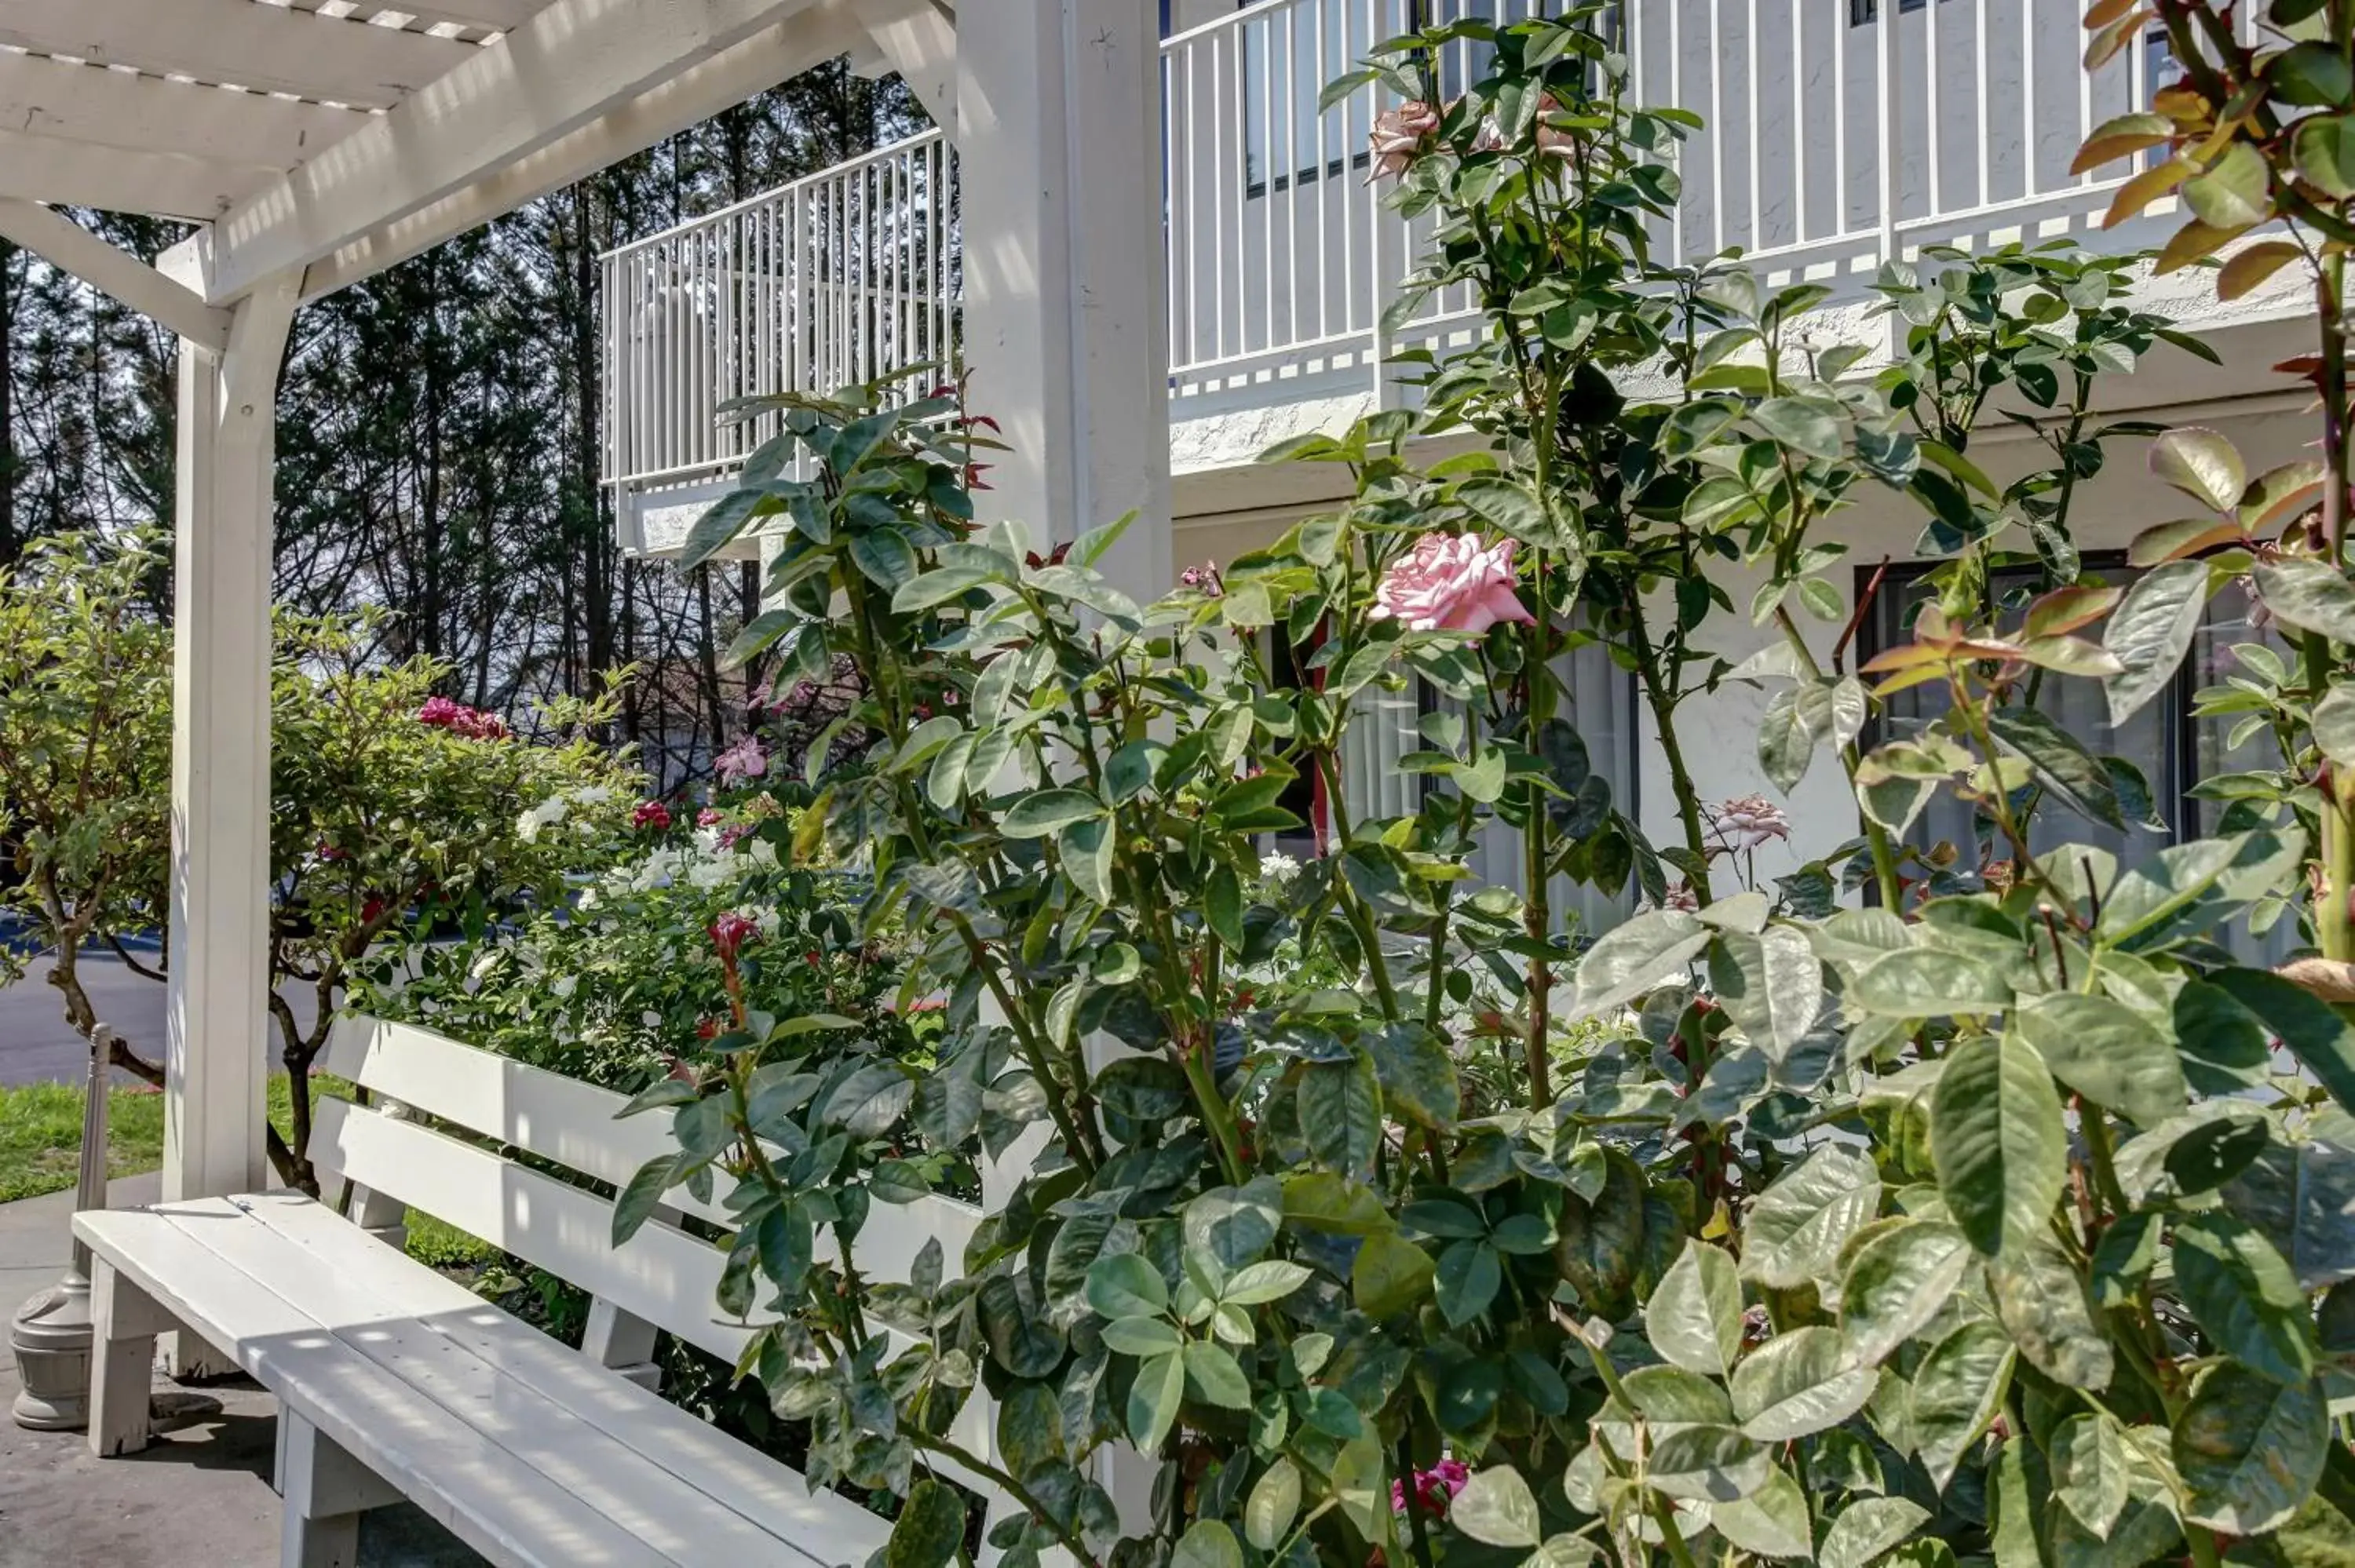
column 129, row 113
column 75, row 174
column 264, row 48
column 687, row 100
column 483, row 16
column 573, row 64
column 917, row 39
column 115, row 271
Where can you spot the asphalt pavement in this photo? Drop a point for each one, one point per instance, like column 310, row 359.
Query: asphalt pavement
column 37, row 1043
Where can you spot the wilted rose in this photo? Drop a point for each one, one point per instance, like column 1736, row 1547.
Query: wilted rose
column 1399, row 135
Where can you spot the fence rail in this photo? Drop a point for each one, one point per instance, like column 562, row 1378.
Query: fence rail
column 1838, row 132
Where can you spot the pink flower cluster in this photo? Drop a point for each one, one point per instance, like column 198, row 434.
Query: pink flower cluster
column 1452, row 582
column 1742, row 825
column 651, row 814
column 471, row 723
column 743, row 760
column 1434, row 1488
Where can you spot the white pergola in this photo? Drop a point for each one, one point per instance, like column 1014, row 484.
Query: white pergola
column 318, row 142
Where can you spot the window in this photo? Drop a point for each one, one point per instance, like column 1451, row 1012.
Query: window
column 1862, row 13
column 2172, row 750
column 1602, row 707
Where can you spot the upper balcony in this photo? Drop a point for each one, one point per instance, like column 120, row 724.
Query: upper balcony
column 1833, row 140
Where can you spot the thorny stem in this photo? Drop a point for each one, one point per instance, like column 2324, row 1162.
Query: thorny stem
column 1360, row 919
column 1013, row 1489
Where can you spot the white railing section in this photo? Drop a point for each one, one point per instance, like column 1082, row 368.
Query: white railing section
column 844, row 277
column 1838, row 133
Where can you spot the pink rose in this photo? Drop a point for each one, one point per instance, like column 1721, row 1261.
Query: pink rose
column 1452, row 582
column 1397, row 136
column 729, row 933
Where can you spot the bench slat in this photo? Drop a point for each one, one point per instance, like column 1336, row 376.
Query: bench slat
column 651, row 1426
column 672, row 1514
column 663, row 1274
column 504, row 1511
column 558, row 1119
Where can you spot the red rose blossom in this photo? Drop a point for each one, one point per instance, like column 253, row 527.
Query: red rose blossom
column 730, row 932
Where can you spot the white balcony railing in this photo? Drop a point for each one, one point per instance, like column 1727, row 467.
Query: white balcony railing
column 1834, row 140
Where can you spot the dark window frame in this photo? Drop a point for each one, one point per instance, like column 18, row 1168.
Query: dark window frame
column 2172, row 797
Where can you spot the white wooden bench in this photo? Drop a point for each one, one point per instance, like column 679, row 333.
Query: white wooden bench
column 393, row 1381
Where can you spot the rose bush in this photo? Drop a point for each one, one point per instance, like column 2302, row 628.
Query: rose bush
column 1930, row 1203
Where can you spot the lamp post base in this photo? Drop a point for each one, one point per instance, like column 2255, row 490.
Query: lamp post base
column 50, row 1335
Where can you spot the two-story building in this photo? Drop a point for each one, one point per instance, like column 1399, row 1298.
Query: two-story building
column 1839, row 134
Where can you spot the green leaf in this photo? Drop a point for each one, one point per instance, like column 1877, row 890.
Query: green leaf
column 938, row 586
column 1929, row 982
column 2040, row 1301
column 1340, row 1110
column 1048, row 811
column 1141, row 1336
column 1637, row 956
column 1708, row 1464
column 1996, row 1138
column 1956, row 1392
column 640, row 1196
column 662, row 1094
column 2089, row 1471
column 930, row 1528
column 883, row 557
column 1869, row 1526
column 1207, row 1543
column 2068, row 771
column 1898, row 1281
column 2250, row 1449
column 1154, row 1399
column 2311, row 596
column 2334, row 725
column 1273, row 1504
column 2301, row 1198
column 1085, row 851
column 2150, row 632
column 1797, row 1226
column 2202, row 464
column 2234, row 193
column 1798, row 1383
column 1257, row 1283
column 1663, row 1393
column 1468, row 1278
column 1215, row 1377
column 869, row 1102
column 1772, row 983
column 1772, row 1521
column 1807, row 425
column 1123, row 1285
column 1694, row 1318
column 1390, row 1275
column 2107, row 1053
column 1497, row 1507
column 721, row 522
column 2323, row 151
column 2244, row 1297
column 2323, row 1041
column 1786, row 743
column 1417, row 1075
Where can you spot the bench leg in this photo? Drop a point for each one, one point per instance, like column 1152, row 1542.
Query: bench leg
column 327, row 1490
column 124, row 1321
column 622, row 1341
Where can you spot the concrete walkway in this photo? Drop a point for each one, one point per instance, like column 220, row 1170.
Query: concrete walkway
column 199, row 1497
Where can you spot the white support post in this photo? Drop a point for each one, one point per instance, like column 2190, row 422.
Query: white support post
column 217, row 1015
column 1059, row 142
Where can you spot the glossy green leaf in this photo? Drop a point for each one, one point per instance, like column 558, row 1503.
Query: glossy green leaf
column 1417, row 1075
column 1154, row 1399
column 1694, row 1318
column 1772, row 1521
column 2107, row 1051
column 1048, row 811
column 1389, row 1275
column 1868, row 1528
column 1956, row 1392
column 1498, row 1508
column 1708, row 1464
column 1340, row 1110
column 2309, row 595
column 930, row 1528
column 1798, row 1383
column 1797, row 1226
column 2089, row 1471
column 1997, row 1137
column 1924, row 983
column 1273, row 1504
column 1899, row 1279
column 2241, row 1292
column 2040, row 1301
column 2150, row 632
column 2250, row 1449
column 1207, row 1543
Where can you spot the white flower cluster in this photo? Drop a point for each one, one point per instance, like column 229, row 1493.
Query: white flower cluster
column 708, row 865
column 553, row 810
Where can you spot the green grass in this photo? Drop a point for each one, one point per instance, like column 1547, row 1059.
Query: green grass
column 40, row 1137
column 40, row 1151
